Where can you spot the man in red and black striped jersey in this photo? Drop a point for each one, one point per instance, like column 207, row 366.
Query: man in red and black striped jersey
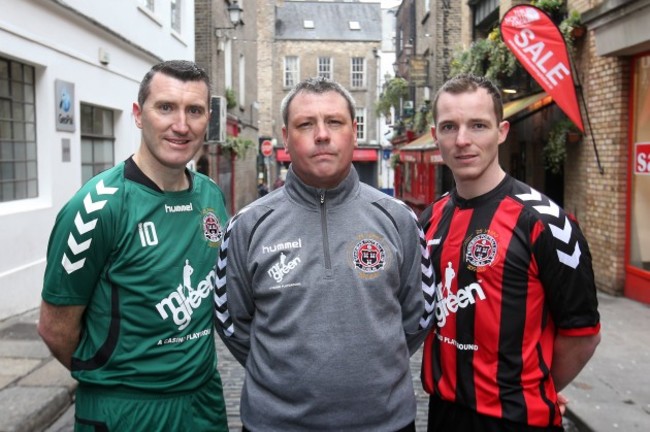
column 516, row 310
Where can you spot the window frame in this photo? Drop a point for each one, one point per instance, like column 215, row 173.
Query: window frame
column 295, row 73
column 18, row 143
column 96, row 137
column 358, row 72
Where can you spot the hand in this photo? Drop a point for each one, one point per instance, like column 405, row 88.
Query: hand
column 562, row 402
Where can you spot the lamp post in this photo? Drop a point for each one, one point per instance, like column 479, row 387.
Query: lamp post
column 235, row 13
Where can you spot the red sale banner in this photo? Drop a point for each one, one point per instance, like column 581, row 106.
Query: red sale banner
column 642, row 158
column 538, row 44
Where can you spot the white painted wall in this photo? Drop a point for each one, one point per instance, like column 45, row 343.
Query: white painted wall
column 63, row 44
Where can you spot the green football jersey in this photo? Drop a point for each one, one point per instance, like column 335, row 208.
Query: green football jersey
column 142, row 262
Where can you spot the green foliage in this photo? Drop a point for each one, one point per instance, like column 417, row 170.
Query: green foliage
column 422, row 121
column 554, row 151
column 489, row 57
column 231, row 99
column 396, row 89
column 394, row 160
column 236, row 146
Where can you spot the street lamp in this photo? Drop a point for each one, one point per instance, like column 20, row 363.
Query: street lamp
column 235, row 13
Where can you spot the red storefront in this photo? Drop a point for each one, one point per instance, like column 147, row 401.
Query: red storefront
column 415, row 175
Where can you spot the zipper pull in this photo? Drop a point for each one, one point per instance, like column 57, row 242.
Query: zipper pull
column 322, row 198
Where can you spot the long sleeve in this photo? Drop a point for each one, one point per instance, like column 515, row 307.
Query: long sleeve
column 233, row 300
column 417, row 295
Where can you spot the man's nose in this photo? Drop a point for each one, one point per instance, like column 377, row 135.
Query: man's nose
column 322, row 132
column 463, row 136
column 180, row 123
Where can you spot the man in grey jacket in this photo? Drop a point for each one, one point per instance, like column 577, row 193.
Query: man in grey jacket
column 324, row 287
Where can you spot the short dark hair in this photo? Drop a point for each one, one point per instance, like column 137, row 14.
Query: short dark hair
column 183, row 70
column 469, row 83
column 318, row 85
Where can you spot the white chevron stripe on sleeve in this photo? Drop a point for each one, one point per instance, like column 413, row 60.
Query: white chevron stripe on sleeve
column 562, row 234
column 84, row 227
column 571, row 260
column 77, row 248
column 91, row 206
column 72, row 266
column 104, row 190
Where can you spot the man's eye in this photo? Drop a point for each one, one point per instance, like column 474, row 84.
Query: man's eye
column 196, row 111
column 447, row 128
column 165, row 107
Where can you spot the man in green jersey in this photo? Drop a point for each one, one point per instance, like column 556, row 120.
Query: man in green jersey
column 130, row 270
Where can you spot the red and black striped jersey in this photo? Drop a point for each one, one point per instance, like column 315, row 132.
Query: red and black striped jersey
column 513, row 270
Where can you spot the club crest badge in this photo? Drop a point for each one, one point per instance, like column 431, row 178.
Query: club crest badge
column 212, row 230
column 369, row 256
column 481, row 250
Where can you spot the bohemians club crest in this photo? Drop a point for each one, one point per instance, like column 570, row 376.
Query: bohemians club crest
column 212, row 228
column 369, row 256
column 481, row 250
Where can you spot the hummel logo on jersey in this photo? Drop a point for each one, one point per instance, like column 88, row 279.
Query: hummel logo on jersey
column 83, row 227
column 449, row 302
column 182, row 302
column 283, row 267
column 178, row 208
column 296, row 244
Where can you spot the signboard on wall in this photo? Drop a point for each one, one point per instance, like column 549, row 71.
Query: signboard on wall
column 642, row 158
column 65, row 104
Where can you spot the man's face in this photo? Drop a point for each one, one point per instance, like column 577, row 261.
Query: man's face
column 469, row 137
column 320, row 137
column 173, row 120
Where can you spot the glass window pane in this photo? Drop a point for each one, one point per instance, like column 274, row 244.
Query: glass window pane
column 104, row 151
column 18, row 112
column 31, row 150
column 29, row 113
column 6, row 151
column 8, row 191
column 5, row 130
column 21, row 171
column 19, row 131
column 86, row 151
column 86, row 173
column 32, row 171
column 28, row 75
column 5, row 109
column 4, row 69
column 107, row 122
column 20, row 188
column 4, row 88
column 29, row 93
column 86, row 119
column 30, row 132
column 20, row 151
column 17, row 92
column 32, row 188
column 16, row 71
column 6, row 170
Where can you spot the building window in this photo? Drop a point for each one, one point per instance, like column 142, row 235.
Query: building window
column 291, row 75
column 18, row 169
column 325, row 67
column 97, row 141
column 176, row 15
column 358, row 68
column 361, row 124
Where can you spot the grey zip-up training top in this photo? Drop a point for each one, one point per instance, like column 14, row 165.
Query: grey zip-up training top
column 321, row 295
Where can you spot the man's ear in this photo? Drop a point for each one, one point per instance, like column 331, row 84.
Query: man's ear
column 137, row 114
column 433, row 132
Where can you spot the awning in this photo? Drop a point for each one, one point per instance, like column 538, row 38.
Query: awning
column 359, row 155
column 526, row 104
column 421, row 149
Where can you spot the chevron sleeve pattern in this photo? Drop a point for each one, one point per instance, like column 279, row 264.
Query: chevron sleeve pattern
column 232, row 307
